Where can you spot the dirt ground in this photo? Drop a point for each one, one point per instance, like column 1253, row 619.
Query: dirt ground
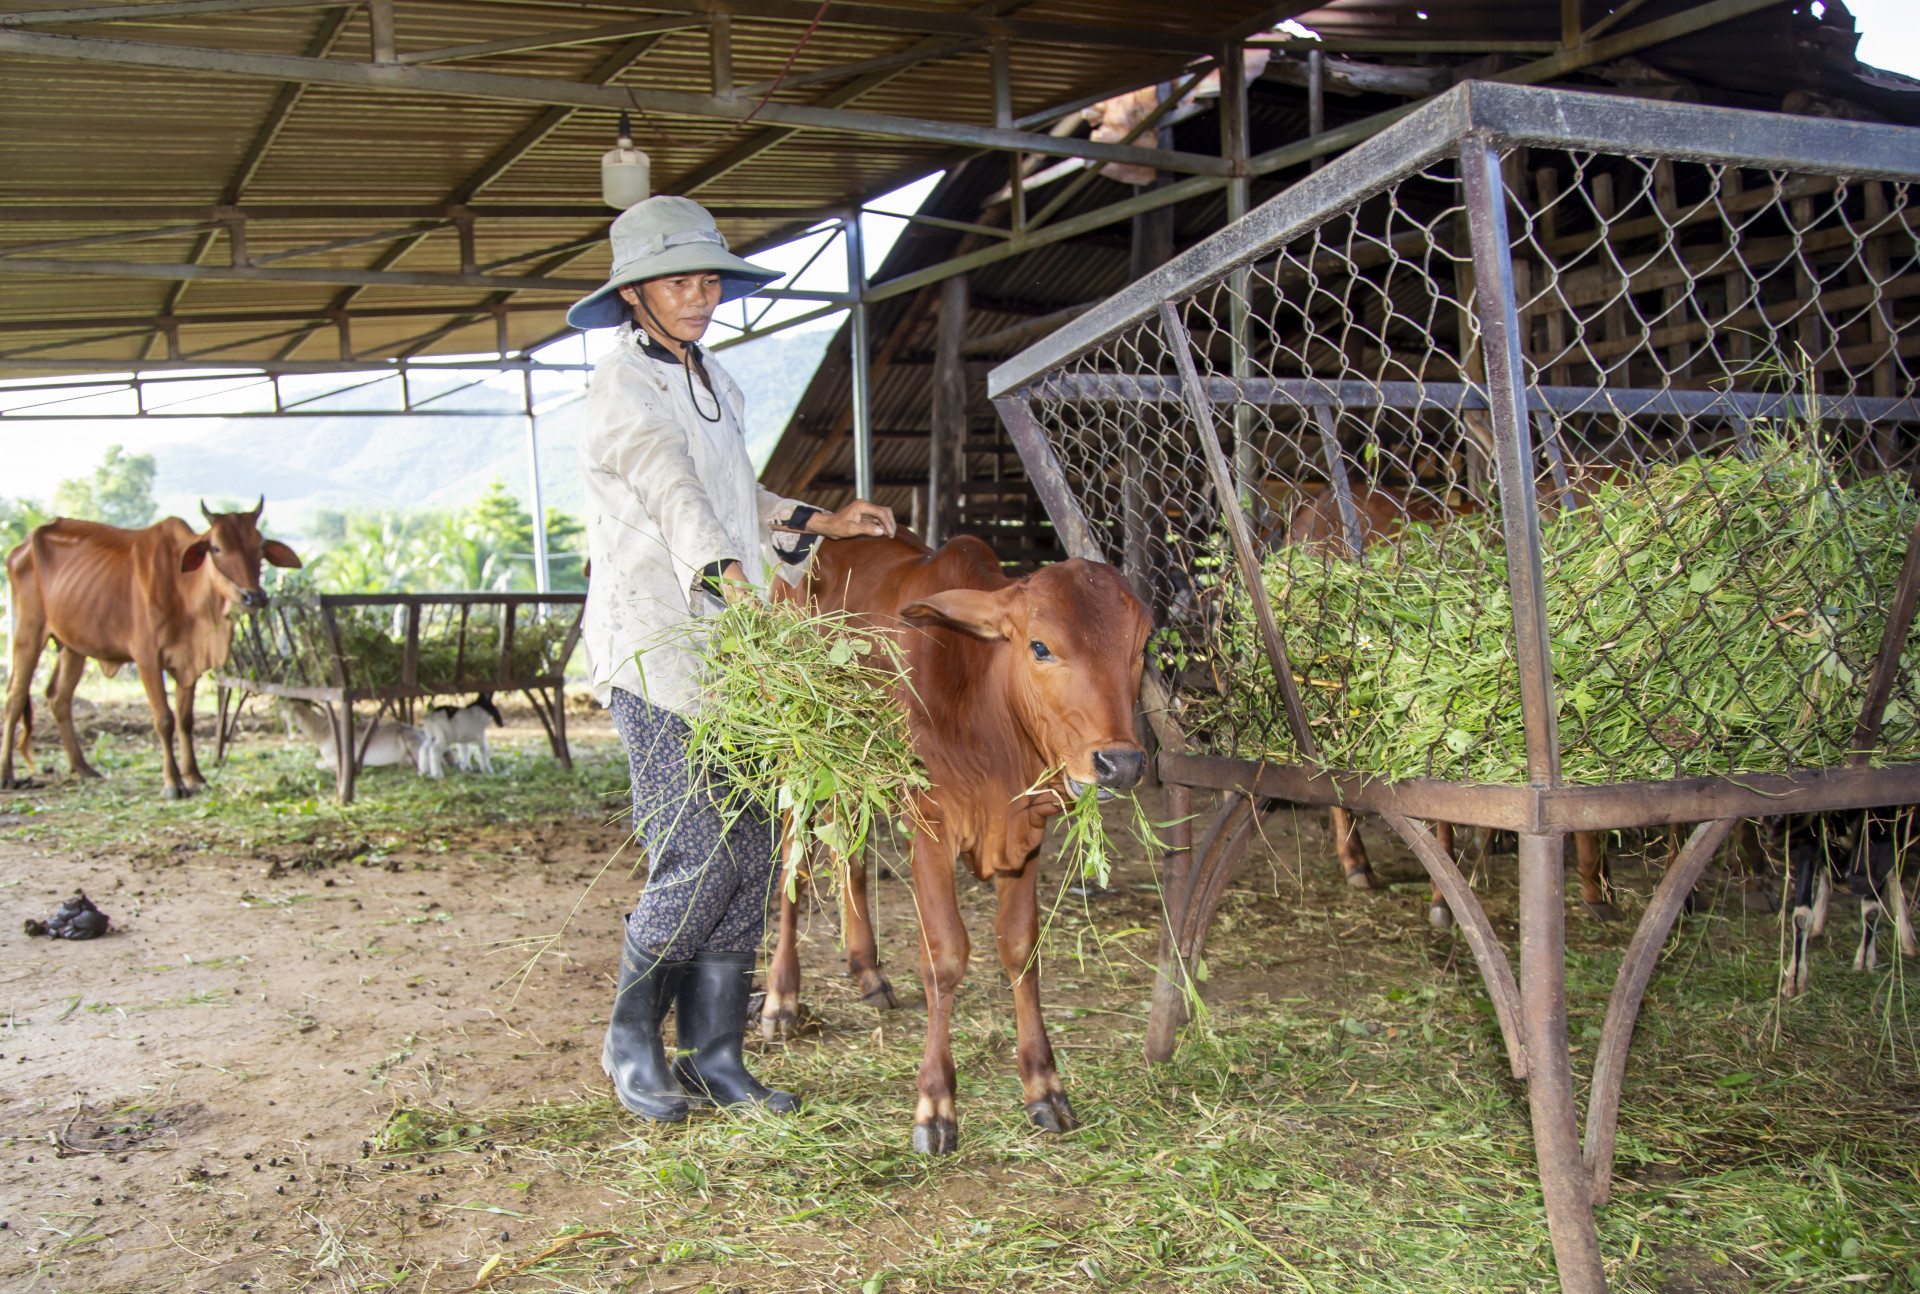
column 222, row 1093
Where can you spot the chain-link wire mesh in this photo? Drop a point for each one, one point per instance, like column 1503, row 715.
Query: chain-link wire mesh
column 1718, row 362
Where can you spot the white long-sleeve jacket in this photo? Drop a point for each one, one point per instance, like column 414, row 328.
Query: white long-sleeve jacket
column 668, row 493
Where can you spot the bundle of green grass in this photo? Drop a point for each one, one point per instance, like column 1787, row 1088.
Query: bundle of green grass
column 799, row 717
column 1713, row 616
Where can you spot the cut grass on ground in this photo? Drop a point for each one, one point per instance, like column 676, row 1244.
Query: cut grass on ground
column 1362, row 1135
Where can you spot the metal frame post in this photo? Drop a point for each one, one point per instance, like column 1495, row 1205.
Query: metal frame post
column 1564, row 1182
column 858, row 359
column 542, row 571
column 1233, row 147
column 1550, row 1097
column 1499, row 318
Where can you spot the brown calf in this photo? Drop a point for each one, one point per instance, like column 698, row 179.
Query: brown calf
column 1007, row 682
column 157, row 598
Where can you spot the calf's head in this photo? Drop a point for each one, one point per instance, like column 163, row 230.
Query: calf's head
column 232, row 548
column 1074, row 635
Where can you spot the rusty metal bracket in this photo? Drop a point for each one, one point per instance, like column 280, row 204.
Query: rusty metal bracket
column 1629, row 987
column 1495, row 969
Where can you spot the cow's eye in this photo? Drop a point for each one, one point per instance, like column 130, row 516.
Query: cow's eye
column 1040, row 651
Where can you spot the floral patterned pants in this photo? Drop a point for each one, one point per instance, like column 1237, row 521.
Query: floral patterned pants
column 710, row 871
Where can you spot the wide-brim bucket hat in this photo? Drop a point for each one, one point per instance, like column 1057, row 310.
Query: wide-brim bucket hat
column 659, row 237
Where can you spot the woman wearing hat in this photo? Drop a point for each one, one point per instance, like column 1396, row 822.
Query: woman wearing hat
column 676, row 524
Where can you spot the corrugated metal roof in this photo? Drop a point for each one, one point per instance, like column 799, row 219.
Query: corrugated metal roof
column 82, row 134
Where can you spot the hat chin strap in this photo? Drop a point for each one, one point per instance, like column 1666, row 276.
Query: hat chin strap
column 640, row 290
column 692, row 361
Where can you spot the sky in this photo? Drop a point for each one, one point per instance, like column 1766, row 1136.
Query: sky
column 39, row 456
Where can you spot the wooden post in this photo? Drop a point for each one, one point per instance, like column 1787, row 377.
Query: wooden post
column 1546, row 189
column 947, row 456
column 1739, row 285
column 1880, row 316
column 1804, row 289
column 720, row 54
column 380, row 30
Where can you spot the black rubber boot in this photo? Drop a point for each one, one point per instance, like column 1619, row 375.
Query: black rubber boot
column 633, row 1055
column 711, row 1020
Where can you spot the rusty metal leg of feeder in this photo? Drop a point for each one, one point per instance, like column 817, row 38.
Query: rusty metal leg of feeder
column 1495, row 970
column 360, row 754
column 225, row 709
column 538, row 700
column 1208, row 889
column 1186, row 876
column 1556, row 1116
column 347, row 770
column 1629, row 987
column 1164, row 1016
column 561, row 751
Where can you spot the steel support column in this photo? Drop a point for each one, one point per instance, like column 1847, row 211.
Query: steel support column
column 536, row 504
column 1248, row 473
column 1556, row 1116
column 1564, row 1183
column 860, row 348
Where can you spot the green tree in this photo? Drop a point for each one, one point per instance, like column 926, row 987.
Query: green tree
column 17, row 517
column 497, row 517
column 566, row 551
column 120, row 491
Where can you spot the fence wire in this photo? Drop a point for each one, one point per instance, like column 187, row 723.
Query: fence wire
column 1719, row 370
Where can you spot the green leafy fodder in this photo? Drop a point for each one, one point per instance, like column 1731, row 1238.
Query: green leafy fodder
column 1713, row 616
column 798, row 717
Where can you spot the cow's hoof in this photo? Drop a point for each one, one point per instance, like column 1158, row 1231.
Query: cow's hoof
column 1760, row 898
column 879, row 994
column 1601, row 911
column 174, row 792
column 780, row 1017
column 936, row 1137
column 1052, row 1113
column 1440, row 917
column 89, row 773
column 1360, row 878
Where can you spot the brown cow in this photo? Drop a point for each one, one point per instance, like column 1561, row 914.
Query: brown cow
column 1007, row 682
column 157, row 598
column 1382, row 512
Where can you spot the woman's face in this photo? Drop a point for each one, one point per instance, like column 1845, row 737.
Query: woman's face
column 683, row 304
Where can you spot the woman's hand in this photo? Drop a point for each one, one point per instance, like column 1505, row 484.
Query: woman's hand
column 734, row 584
column 856, row 519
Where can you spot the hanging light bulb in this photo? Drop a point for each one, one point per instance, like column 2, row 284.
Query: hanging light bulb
column 626, row 173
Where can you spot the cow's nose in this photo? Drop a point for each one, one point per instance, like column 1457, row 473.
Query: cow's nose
column 1120, row 767
column 253, row 598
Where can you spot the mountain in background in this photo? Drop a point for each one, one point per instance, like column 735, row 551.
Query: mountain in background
column 303, row 465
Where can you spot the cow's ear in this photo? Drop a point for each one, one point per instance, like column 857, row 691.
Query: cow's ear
column 195, row 554
column 971, row 611
column 278, row 554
